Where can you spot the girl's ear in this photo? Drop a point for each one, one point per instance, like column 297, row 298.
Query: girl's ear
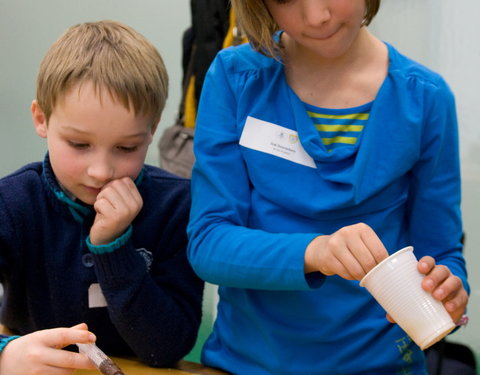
column 39, row 120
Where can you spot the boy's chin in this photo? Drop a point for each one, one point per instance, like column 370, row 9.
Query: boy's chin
column 87, row 200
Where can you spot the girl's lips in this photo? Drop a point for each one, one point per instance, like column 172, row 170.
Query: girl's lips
column 324, row 35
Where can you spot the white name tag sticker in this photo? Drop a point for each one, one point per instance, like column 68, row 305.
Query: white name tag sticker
column 274, row 140
column 96, row 297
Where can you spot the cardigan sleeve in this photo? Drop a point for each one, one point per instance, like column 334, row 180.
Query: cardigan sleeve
column 4, row 340
column 153, row 296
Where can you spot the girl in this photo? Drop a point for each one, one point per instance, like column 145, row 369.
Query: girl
column 320, row 150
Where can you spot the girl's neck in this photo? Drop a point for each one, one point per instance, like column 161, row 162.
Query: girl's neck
column 299, row 57
column 347, row 80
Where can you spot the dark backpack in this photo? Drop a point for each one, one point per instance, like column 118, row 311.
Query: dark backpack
column 448, row 358
column 213, row 28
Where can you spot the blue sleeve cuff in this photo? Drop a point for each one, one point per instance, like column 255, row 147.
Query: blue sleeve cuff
column 112, row 246
column 4, row 340
column 315, row 279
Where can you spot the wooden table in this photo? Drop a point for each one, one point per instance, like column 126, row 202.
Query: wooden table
column 133, row 367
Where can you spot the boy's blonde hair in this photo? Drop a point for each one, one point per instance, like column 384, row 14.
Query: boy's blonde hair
column 259, row 26
column 114, row 57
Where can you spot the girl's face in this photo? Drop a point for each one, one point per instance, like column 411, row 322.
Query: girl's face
column 93, row 140
column 327, row 28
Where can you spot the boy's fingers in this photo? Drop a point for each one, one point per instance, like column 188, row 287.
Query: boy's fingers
column 70, row 360
column 80, row 326
column 62, row 337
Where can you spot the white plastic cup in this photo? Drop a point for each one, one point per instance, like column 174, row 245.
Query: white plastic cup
column 395, row 283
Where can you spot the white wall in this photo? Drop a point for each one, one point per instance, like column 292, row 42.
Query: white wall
column 444, row 35
column 28, row 28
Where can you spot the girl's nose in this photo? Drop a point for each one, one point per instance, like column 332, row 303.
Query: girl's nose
column 316, row 12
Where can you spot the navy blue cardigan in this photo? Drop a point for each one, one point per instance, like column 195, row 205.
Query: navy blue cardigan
column 154, row 298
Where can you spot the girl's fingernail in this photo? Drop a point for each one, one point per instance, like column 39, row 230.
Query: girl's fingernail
column 450, row 306
column 439, row 294
column 429, row 283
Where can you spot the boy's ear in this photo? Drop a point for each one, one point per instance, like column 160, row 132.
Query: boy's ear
column 154, row 126
column 39, row 120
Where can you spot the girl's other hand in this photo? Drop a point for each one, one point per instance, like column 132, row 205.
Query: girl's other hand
column 350, row 252
column 444, row 286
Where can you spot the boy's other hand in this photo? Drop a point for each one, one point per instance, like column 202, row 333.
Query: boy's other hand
column 117, row 205
column 41, row 352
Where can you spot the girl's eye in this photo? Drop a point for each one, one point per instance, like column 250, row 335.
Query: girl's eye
column 128, row 148
column 78, row 145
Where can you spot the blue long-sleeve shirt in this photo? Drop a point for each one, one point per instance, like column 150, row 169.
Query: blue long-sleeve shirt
column 264, row 186
column 46, row 267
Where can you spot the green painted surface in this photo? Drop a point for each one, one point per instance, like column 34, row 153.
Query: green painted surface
column 203, row 333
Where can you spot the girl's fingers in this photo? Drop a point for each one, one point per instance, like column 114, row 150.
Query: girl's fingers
column 374, row 244
column 426, row 264
column 448, row 289
column 444, row 287
column 390, row 319
column 433, row 281
column 363, row 261
column 350, row 265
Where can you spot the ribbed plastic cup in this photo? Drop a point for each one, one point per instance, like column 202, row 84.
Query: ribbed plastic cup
column 395, row 283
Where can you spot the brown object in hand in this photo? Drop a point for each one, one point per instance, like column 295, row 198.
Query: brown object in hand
column 108, row 367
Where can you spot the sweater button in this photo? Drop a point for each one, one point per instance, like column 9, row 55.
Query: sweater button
column 87, row 260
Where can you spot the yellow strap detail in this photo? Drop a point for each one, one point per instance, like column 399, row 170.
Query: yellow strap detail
column 234, row 36
column 190, row 109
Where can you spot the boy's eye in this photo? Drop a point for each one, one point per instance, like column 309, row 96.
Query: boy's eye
column 127, row 148
column 78, row 145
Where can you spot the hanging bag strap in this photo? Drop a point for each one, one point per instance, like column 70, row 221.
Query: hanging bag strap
column 186, row 116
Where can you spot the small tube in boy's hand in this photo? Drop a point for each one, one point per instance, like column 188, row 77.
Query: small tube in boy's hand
column 100, row 359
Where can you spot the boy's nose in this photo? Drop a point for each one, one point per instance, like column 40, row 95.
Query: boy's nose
column 101, row 170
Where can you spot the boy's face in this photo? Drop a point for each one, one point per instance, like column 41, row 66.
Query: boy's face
column 92, row 141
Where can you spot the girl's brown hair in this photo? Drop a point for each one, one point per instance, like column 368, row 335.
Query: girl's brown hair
column 259, row 26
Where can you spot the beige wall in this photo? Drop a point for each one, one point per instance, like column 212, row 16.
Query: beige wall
column 28, row 28
column 442, row 34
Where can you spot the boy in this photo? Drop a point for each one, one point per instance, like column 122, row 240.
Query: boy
column 92, row 237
